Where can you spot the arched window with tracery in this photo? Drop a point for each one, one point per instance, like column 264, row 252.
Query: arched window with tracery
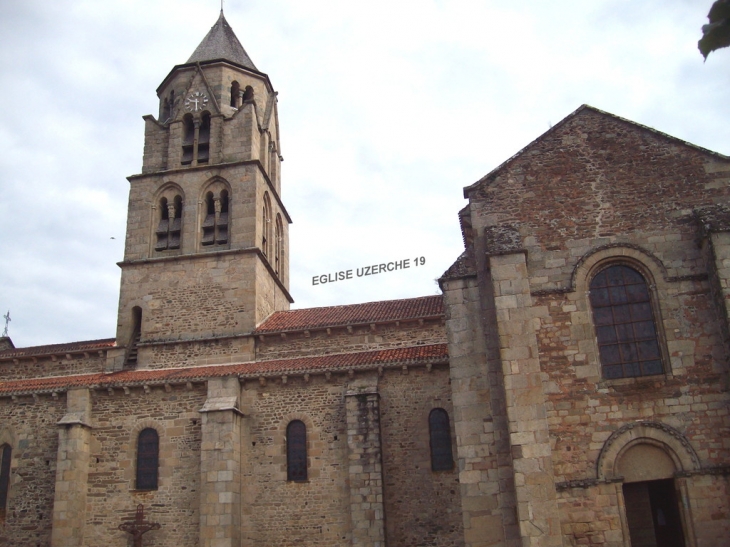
column 628, row 342
column 266, row 226
column 439, row 429
column 296, row 451
column 148, row 459
column 278, row 247
column 6, row 453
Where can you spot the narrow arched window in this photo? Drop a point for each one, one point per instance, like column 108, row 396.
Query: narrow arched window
column 628, row 343
column 278, row 250
column 148, row 457
column 221, row 235
column 248, row 93
column 266, row 226
column 273, row 162
column 442, row 458
column 296, row 451
column 130, row 360
column 235, row 94
column 204, row 138
column 188, row 139
column 5, row 456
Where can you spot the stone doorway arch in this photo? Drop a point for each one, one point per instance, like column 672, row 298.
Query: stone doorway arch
column 649, row 461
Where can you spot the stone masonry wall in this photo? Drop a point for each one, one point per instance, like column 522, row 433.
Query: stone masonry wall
column 597, row 190
column 281, row 513
column 112, row 495
column 340, row 340
column 597, row 180
column 422, row 507
column 46, row 366
column 29, row 426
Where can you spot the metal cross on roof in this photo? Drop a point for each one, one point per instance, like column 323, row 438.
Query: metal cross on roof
column 138, row 526
column 7, row 320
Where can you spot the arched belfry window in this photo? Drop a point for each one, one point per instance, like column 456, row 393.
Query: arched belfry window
column 296, row 451
column 148, row 459
column 248, row 94
column 278, row 245
column 169, row 226
column 235, row 94
column 188, row 139
column 216, row 218
column 628, row 342
column 167, row 107
column 442, row 458
column 196, row 139
column 5, row 456
column 204, row 138
column 266, row 226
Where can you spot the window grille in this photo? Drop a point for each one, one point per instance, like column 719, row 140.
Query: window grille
column 296, row 451
column 442, row 458
column 628, row 344
column 148, row 454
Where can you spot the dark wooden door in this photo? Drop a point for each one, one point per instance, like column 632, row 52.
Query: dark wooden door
column 653, row 514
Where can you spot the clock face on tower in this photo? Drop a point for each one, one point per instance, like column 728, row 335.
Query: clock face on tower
column 196, row 102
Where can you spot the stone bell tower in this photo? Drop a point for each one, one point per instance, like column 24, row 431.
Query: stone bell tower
column 207, row 247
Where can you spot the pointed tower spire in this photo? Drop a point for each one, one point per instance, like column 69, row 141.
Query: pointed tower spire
column 221, row 43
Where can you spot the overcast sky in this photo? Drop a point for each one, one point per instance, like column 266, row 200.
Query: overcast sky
column 388, row 108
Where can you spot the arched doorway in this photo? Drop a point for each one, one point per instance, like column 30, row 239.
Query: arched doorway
column 650, row 497
column 648, row 461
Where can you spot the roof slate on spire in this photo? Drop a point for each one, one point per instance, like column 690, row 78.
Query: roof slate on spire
column 221, row 43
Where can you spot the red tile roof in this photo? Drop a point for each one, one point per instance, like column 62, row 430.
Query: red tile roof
column 436, row 353
column 58, row 349
column 370, row 312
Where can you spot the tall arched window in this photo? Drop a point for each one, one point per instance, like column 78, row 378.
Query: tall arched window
column 148, row 457
column 628, row 343
column 278, row 247
column 296, row 451
column 5, row 456
column 439, row 430
column 266, row 226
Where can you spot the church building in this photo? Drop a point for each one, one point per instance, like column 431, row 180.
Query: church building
column 568, row 387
